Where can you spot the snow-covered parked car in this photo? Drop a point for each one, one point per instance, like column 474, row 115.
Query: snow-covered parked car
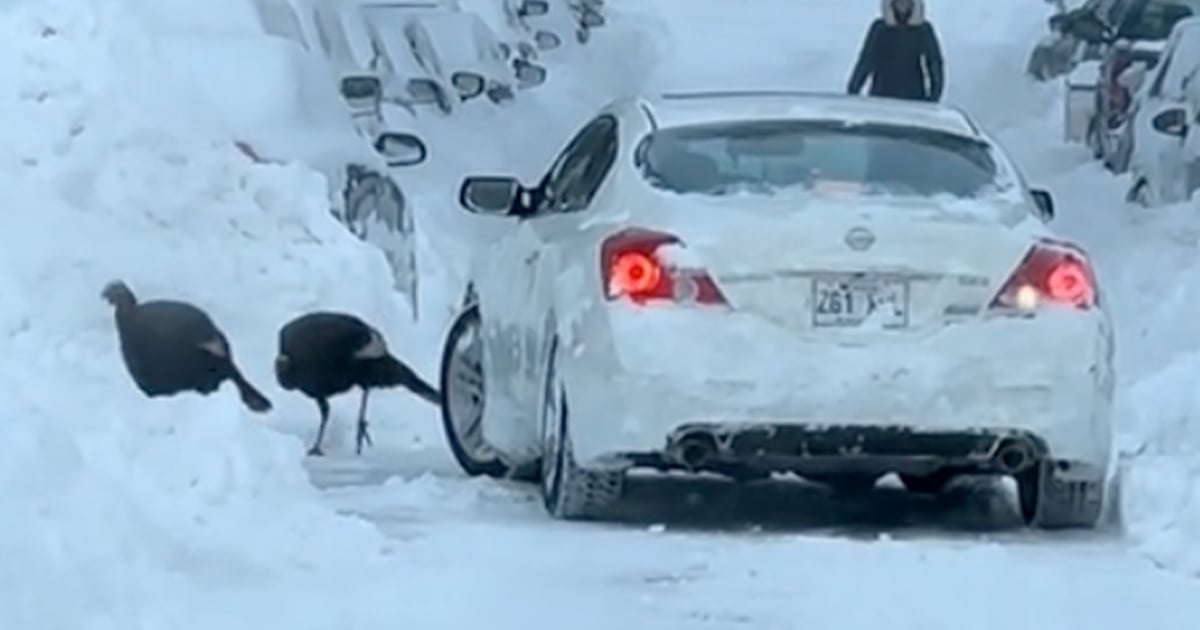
column 1139, row 24
column 278, row 102
column 750, row 283
column 319, row 26
column 463, row 49
column 1122, row 73
column 1165, row 159
column 551, row 20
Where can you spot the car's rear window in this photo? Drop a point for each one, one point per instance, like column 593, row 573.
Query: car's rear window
column 768, row 156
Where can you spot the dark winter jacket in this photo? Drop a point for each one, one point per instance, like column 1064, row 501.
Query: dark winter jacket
column 903, row 60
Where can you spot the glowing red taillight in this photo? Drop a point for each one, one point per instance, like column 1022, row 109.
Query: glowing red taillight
column 632, row 267
column 1051, row 272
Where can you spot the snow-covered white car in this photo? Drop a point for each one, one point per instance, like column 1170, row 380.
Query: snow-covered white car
column 1141, row 25
column 1165, row 160
column 747, row 283
column 277, row 101
column 1122, row 74
column 463, row 49
column 551, row 20
column 373, row 33
column 318, row 26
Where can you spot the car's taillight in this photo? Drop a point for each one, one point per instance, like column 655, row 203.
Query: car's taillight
column 633, row 267
column 1052, row 272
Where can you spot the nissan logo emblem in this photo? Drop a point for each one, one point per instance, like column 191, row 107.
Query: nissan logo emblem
column 860, row 238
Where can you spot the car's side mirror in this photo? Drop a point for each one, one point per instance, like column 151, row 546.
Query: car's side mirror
column 529, row 74
column 531, row 8
column 1045, row 204
column 591, row 19
column 422, row 91
column 546, row 40
column 468, row 84
column 1172, row 122
column 401, row 149
column 491, row 195
column 361, row 91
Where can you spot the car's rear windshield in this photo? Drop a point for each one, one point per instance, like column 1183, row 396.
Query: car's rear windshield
column 769, row 156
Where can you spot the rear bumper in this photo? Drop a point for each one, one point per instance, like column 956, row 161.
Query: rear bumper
column 666, row 373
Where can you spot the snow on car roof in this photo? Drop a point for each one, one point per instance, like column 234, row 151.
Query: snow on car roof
column 685, row 108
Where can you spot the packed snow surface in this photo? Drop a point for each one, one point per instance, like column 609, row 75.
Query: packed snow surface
column 127, row 514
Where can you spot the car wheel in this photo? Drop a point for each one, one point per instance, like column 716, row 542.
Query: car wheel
column 927, row 484
column 569, row 491
column 1049, row 502
column 462, row 384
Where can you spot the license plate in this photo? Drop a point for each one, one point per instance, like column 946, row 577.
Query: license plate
column 849, row 300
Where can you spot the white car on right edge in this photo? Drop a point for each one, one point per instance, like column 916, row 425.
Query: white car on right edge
column 748, row 283
column 1165, row 127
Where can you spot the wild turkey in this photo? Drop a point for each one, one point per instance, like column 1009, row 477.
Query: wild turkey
column 171, row 347
column 323, row 354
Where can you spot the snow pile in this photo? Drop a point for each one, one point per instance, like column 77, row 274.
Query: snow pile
column 1159, row 408
column 121, row 512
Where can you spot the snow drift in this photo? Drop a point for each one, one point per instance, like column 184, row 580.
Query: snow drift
column 121, row 512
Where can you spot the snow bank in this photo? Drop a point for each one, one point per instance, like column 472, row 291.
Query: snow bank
column 121, row 512
column 1159, row 403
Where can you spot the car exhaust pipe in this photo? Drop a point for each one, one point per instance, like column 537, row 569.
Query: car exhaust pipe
column 1014, row 456
column 694, row 450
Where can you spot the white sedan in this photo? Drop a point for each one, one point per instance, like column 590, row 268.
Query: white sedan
column 756, row 283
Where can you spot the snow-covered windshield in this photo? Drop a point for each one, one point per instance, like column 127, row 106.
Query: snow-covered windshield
column 769, row 156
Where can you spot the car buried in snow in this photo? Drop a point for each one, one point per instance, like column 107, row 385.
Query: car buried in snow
column 292, row 112
column 1164, row 127
column 750, row 283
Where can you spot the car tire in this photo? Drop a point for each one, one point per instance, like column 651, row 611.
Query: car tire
column 569, row 492
column 1049, row 502
column 463, row 403
column 932, row 483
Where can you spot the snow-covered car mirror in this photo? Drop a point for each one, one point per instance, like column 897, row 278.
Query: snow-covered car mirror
column 591, row 19
column 531, row 8
column 401, row 149
column 506, row 49
column 468, row 84
column 529, row 74
column 422, row 91
column 361, row 90
column 1172, row 122
column 489, row 194
column 1045, row 204
column 545, row 40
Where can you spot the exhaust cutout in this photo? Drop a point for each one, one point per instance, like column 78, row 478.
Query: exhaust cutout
column 1014, row 456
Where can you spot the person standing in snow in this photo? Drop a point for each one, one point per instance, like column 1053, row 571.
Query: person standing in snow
column 901, row 55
